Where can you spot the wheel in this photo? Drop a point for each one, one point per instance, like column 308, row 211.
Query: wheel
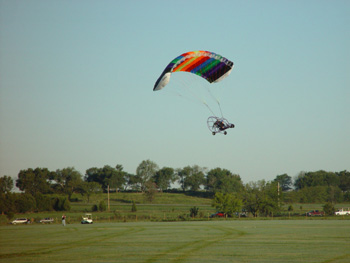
column 225, row 132
column 232, row 125
column 213, row 133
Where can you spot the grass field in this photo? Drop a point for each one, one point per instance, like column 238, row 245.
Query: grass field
column 195, row 241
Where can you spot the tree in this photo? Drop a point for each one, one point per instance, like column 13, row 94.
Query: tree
column 227, row 203
column 89, row 188
column 6, row 184
column 7, row 203
column 150, row 191
column 195, row 178
column 146, row 170
column 194, row 211
column 133, row 207
column 102, row 206
column 34, row 181
column 68, row 180
column 285, row 182
column 132, row 181
column 25, row 203
column 329, row 209
column 114, row 177
column 319, row 178
column 261, row 198
column 43, row 203
column 222, row 180
column 344, row 180
column 164, row 177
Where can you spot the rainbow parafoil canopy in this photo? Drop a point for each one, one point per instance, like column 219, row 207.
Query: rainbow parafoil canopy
column 205, row 64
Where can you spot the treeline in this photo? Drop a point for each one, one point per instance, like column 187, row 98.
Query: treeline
column 261, row 197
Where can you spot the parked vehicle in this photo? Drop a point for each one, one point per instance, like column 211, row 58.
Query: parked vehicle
column 315, row 213
column 20, row 221
column 87, row 219
column 218, row 214
column 342, row 212
column 47, row 220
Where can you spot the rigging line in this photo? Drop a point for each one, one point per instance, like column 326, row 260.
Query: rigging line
column 215, row 99
column 209, row 108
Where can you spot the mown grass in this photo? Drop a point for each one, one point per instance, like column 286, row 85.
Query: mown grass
column 195, row 241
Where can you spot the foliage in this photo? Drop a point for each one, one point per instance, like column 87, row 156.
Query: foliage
column 261, row 198
column 194, row 211
column 25, row 203
column 114, row 177
column 285, row 181
column 68, row 181
column 227, row 203
column 150, row 191
column 94, row 208
column 7, row 203
column 102, row 206
column 146, row 170
column 329, row 208
column 319, row 178
column 34, row 181
column 133, row 207
column 222, row 180
column 89, row 188
column 43, row 203
column 6, row 184
column 164, row 177
column 61, row 204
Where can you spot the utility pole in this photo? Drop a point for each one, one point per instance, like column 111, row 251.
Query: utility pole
column 108, row 199
column 278, row 192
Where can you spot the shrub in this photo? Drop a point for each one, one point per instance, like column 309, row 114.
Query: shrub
column 329, row 208
column 25, row 203
column 94, row 208
column 133, row 207
column 102, row 206
column 194, row 211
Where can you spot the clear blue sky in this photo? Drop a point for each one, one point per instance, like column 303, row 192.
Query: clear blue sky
column 77, row 77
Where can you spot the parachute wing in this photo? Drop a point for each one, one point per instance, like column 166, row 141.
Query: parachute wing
column 205, row 64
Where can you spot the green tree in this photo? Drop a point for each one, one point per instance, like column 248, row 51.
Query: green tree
column 25, row 203
column 7, row 203
column 43, row 203
column 319, row 178
column 115, row 178
column 90, row 188
column 227, row 203
column 146, row 170
column 6, row 184
column 132, row 182
column 194, row 177
column 133, row 207
column 194, row 211
column 329, row 209
column 34, row 181
column 222, row 180
column 68, row 180
column 102, row 206
column 261, row 198
column 164, row 177
column 61, row 204
column 285, row 181
column 344, row 181
column 150, row 191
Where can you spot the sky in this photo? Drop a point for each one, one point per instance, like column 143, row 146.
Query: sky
column 77, row 77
